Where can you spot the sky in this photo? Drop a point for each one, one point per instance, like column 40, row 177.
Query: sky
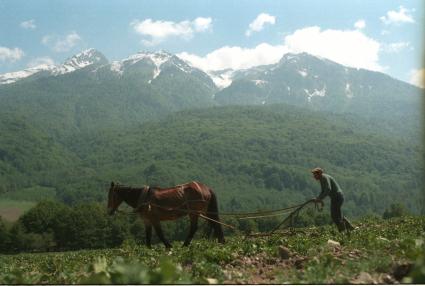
column 378, row 35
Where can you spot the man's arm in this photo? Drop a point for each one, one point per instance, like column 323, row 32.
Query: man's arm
column 326, row 188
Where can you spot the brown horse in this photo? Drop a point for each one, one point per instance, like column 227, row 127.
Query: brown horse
column 156, row 204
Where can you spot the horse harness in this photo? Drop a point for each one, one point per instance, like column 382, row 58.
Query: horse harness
column 147, row 194
column 145, row 198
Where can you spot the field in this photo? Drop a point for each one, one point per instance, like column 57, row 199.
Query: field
column 11, row 210
column 380, row 251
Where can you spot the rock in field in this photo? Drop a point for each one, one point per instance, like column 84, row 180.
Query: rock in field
column 284, row 252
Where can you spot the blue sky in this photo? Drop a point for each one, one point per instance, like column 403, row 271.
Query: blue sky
column 380, row 35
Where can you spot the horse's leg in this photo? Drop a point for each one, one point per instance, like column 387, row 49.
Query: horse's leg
column 148, row 230
column 193, row 228
column 219, row 232
column 213, row 214
column 160, row 234
column 209, row 230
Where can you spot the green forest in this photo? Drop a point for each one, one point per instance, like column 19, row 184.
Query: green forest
column 61, row 147
column 253, row 157
column 235, row 113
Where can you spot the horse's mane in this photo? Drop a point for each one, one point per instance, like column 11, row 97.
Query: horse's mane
column 128, row 188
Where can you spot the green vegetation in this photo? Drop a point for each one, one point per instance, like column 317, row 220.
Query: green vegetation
column 53, row 226
column 63, row 139
column 380, row 251
column 259, row 158
column 253, row 157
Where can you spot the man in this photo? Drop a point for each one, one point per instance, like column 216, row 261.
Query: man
column 331, row 188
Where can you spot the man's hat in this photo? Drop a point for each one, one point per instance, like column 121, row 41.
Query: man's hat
column 317, row 170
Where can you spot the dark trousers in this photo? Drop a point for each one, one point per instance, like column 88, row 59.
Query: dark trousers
column 341, row 222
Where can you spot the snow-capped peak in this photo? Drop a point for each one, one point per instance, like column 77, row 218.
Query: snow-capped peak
column 78, row 61
column 81, row 60
column 289, row 57
column 15, row 76
column 157, row 58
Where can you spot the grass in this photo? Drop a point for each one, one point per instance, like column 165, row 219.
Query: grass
column 11, row 210
column 377, row 248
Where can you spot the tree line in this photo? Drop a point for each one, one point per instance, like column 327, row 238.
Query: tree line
column 54, row 226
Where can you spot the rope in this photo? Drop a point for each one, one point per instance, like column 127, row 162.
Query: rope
column 260, row 216
column 291, row 215
column 241, row 216
column 225, row 224
column 260, row 212
column 237, row 215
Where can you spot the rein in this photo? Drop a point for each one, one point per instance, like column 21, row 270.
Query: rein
column 145, row 200
column 239, row 216
column 248, row 215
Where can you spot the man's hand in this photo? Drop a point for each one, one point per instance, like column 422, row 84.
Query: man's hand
column 318, row 201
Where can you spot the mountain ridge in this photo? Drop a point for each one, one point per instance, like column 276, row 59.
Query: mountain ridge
column 90, row 90
column 69, row 64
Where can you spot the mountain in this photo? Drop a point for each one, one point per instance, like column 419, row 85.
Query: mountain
column 320, row 84
column 16, row 76
column 166, row 83
column 88, row 58
column 153, row 117
column 88, row 93
column 148, row 66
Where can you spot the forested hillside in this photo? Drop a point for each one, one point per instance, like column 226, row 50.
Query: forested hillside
column 154, row 119
column 261, row 157
column 253, row 157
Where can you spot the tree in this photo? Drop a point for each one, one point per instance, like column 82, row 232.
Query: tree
column 118, row 230
column 4, row 237
column 395, row 210
column 89, row 227
column 18, row 239
column 43, row 217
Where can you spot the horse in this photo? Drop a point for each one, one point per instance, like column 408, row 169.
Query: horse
column 155, row 204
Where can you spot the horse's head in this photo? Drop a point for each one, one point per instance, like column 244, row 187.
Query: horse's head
column 114, row 198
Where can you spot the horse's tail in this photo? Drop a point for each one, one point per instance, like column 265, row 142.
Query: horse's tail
column 212, row 213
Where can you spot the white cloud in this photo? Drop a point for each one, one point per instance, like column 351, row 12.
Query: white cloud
column 395, row 47
column 11, row 55
column 259, row 22
column 398, row 17
column 61, row 44
column 42, row 61
column 360, row 24
column 236, row 57
column 351, row 48
column 159, row 31
column 29, row 25
column 417, row 77
column 202, row 24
